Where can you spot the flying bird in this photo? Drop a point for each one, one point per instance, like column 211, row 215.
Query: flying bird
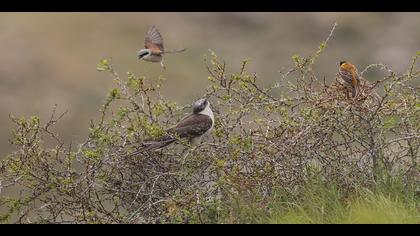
column 154, row 48
column 192, row 127
column 349, row 74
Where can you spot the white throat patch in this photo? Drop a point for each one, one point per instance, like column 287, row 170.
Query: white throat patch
column 208, row 112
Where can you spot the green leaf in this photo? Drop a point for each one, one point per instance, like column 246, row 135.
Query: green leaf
column 390, row 122
column 322, row 46
column 92, row 154
column 296, row 57
column 103, row 65
column 114, row 94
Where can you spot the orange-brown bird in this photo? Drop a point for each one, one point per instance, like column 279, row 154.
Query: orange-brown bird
column 154, row 48
column 349, row 74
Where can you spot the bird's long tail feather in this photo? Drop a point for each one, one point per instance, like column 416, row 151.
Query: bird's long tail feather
column 176, row 50
column 151, row 146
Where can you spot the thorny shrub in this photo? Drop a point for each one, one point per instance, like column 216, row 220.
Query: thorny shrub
column 265, row 140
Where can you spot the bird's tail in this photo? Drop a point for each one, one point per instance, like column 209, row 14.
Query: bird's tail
column 152, row 145
column 176, row 50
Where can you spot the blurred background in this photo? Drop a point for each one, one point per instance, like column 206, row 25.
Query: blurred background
column 51, row 58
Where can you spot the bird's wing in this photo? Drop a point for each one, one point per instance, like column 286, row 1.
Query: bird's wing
column 154, row 41
column 355, row 79
column 346, row 76
column 192, row 126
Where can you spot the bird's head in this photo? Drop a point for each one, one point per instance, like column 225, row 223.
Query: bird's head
column 143, row 52
column 347, row 66
column 200, row 105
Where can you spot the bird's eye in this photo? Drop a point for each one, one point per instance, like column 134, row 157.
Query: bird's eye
column 142, row 54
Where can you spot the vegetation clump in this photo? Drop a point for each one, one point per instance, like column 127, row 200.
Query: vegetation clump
column 298, row 151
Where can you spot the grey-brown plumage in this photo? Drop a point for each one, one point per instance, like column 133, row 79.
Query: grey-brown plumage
column 153, row 47
column 191, row 127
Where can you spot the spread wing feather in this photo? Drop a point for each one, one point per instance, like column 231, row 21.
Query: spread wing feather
column 154, row 40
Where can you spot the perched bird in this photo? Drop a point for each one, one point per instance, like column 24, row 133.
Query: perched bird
column 191, row 127
column 154, row 48
column 348, row 73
